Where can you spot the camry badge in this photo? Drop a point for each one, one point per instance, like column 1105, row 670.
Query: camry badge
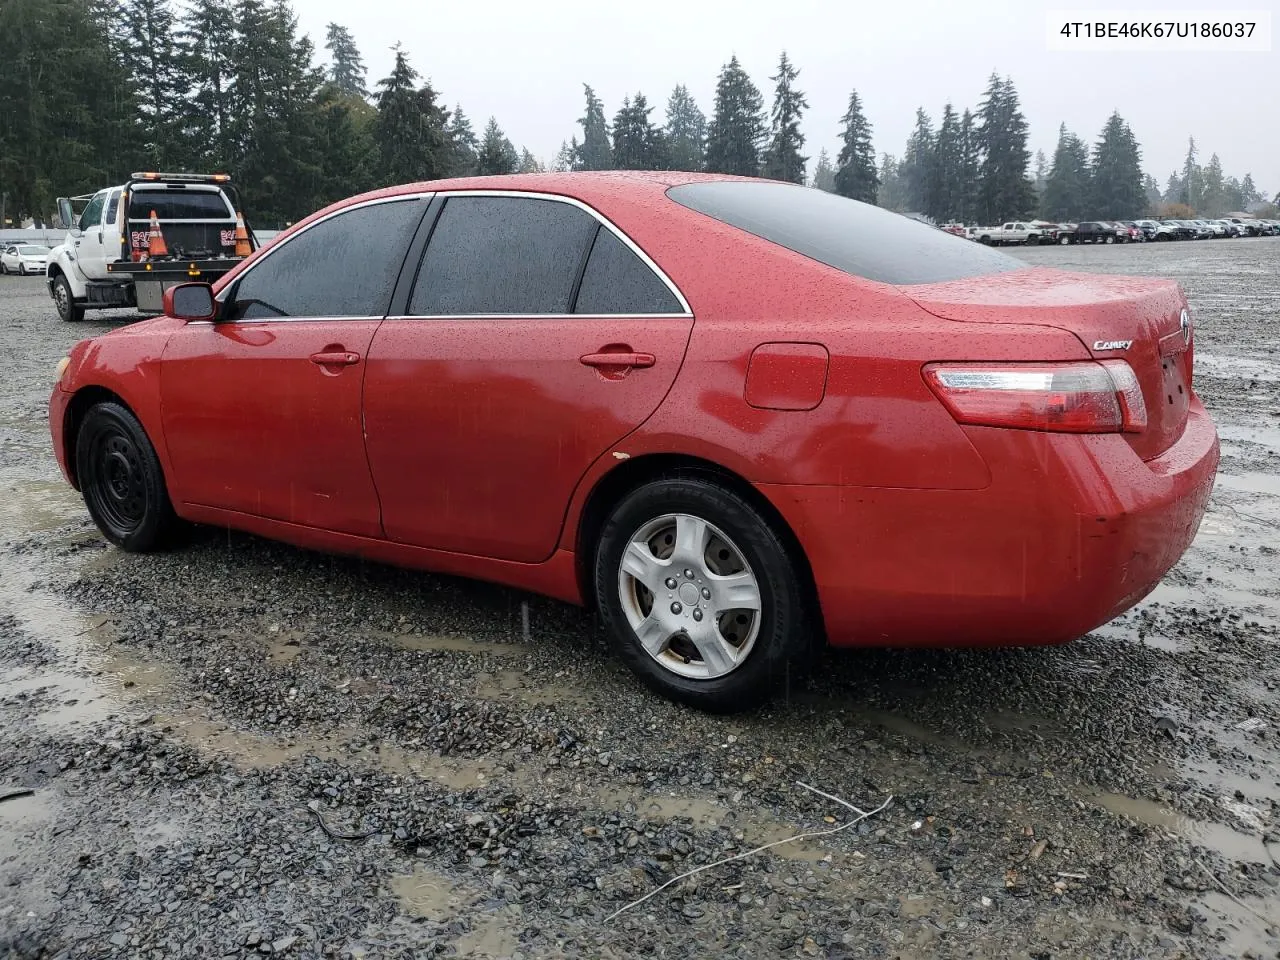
column 1112, row 344
column 1184, row 323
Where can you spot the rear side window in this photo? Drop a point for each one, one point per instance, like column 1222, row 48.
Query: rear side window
column 178, row 205
column 112, row 206
column 618, row 281
column 858, row 238
column 502, row 255
column 345, row 266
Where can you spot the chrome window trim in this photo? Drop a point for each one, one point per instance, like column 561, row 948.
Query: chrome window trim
column 599, row 218
column 280, row 244
column 539, row 316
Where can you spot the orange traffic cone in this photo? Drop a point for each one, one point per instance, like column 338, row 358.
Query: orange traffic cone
column 156, row 246
column 242, row 237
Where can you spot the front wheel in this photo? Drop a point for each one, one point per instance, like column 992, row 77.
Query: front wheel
column 122, row 480
column 700, row 596
column 22, row 269
column 68, row 309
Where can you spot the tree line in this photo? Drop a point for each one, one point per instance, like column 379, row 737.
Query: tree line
column 93, row 89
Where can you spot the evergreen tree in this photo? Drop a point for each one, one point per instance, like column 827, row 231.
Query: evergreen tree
column 1173, row 188
column 917, row 164
column 686, row 131
column 529, row 163
column 273, row 126
column 1192, row 183
column 824, row 174
column 945, row 197
column 346, row 69
column 1041, row 172
column 412, row 132
column 497, row 154
column 462, row 144
column 970, row 166
column 151, row 50
column 1248, row 191
column 1116, row 174
column 208, row 39
column 737, row 126
column 1233, row 195
column 1152, row 190
column 892, row 194
column 344, row 138
column 855, row 174
column 595, row 151
column 1066, row 189
column 564, row 159
column 637, row 143
column 1005, row 192
column 1214, row 198
column 783, row 160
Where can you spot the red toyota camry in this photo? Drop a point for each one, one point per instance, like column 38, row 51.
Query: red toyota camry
column 737, row 416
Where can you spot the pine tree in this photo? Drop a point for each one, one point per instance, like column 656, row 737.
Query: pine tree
column 1214, row 198
column 529, row 163
column 346, row 71
column 564, row 159
column 824, row 174
column 945, row 197
column 1233, row 195
column 686, row 131
column 412, row 131
column 151, row 50
column 892, row 193
column 1066, row 189
column 1173, row 188
column 1005, row 191
column 1249, row 193
column 1041, row 172
column 917, row 163
column 344, row 139
column 970, row 167
column 737, row 126
column 497, row 154
column 462, row 144
column 637, row 143
column 595, row 151
column 208, row 39
column 1152, row 190
column 1116, row 191
column 855, row 175
column 1192, row 182
column 783, row 160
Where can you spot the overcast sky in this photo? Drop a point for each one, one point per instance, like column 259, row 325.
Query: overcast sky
column 525, row 62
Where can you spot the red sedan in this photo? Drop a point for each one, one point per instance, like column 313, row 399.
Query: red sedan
column 737, row 416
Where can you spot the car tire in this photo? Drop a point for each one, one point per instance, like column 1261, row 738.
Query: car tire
column 1110, row 240
column 68, row 309
column 740, row 655
column 3, row 269
column 22, row 269
column 122, row 481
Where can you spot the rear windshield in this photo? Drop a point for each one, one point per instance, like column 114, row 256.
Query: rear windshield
column 858, row 238
column 178, row 205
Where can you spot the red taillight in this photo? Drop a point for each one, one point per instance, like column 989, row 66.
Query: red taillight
column 1062, row 397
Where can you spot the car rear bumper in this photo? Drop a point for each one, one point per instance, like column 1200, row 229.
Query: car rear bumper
column 1072, row 532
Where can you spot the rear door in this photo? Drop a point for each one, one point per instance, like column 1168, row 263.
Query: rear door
column 534, row 339
column 261, row 409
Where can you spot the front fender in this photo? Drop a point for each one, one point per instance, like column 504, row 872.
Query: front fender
column 64, row 264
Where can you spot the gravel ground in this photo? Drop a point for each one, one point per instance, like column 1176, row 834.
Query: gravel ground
column 241, row 748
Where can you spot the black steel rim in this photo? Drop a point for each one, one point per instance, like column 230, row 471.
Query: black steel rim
column 116, row 481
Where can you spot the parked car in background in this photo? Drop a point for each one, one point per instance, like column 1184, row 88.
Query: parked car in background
column 1013, row 232
column 1093, row 231
column 1134, row 233
column 1216, row 228
column 1184, row 229
column 1048, row 231
column 720, row 491
column 1165, row 231
column 1149, row 228
column 24, row 258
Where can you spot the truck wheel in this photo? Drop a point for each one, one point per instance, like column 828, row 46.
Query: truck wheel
column 122, row 480
column 68, row 310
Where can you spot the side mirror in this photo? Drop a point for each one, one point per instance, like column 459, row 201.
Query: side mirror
column 67, row 216
column 190, row 301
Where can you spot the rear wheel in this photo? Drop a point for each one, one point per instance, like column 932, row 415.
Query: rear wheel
column 700, row 596
column 122, row 480
column 68, row 309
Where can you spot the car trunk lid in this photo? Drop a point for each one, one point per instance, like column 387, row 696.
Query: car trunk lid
column 1135, row 319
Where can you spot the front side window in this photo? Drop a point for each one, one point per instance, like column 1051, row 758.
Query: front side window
column 491, row 256
column 92, row 215
column 857, row 238
column 618, row 281
column 345, row 266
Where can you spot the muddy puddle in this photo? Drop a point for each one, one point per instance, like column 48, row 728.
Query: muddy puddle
column 431, row 896
column 1223, row 839
column 1262, row 483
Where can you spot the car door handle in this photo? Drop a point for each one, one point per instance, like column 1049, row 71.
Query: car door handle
column 336, row 358
column 618, row 359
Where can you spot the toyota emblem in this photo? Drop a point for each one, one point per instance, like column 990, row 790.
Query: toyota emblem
column 1184, row 323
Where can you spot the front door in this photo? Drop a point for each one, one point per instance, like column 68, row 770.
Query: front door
column 536, row 339
column 90, row 246
column 261, row 409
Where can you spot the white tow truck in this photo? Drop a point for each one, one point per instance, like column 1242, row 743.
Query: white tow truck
column 127, row 244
